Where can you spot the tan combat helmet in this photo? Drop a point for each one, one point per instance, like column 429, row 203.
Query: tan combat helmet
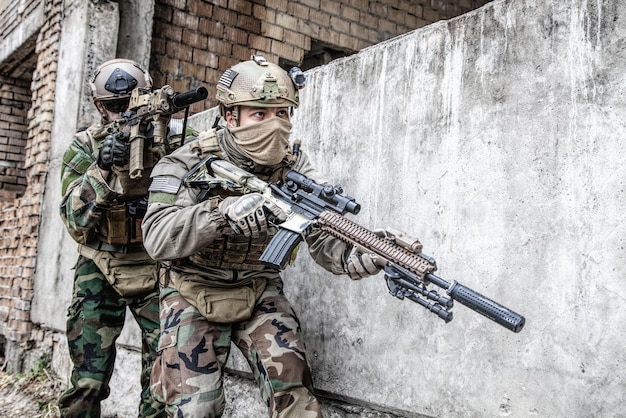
column 259, row 83
column 114, row 80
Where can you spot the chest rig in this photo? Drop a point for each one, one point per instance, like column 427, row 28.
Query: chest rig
column 230, row 251
column 121, row 224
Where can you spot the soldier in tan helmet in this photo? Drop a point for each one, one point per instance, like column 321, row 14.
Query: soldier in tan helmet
column 214, row 288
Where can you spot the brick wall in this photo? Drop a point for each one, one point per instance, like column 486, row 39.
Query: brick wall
column 14, row 105
column 195, row 41
column 19, row 219
column 14, row 12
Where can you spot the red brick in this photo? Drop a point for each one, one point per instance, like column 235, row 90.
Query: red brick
column 339, row 25
column 193, row 70
column 332, row 7
column 227, row 17
column 295, row 38
column 194, row 39
column 219, row 47
column 241, row 6
column 311, row 30
column 259, row 11
column 205, row 58
column 272, row 31
column 286, row 21
column 313, row 4
column 349, row 13
column 320, row 17
column 249, row 24
column 211, row 28
column 200, row 9
column 236, row 36
column 280, row 5
column 259, row 42
column 298, row 10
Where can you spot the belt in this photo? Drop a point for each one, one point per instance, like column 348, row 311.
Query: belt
column 122, row 249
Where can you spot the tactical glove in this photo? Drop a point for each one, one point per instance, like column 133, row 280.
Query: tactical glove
column 249, row 214
column 360, row 265
column 114, row 151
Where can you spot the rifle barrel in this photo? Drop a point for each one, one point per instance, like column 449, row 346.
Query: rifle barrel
column 182, row 100
column 481, row 304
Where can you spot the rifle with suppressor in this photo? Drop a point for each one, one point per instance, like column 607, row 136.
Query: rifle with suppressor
column 407, row 270
column 149, row 113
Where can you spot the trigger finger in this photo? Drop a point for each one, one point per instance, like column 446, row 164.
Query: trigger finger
column 276, row 211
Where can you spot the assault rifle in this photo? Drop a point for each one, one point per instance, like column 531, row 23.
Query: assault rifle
column 149, row 112
column 407, row 270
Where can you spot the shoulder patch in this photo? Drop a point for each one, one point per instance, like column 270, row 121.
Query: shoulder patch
column 165, row 184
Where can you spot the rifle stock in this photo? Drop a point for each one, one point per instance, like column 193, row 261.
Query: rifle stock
column 407, row 270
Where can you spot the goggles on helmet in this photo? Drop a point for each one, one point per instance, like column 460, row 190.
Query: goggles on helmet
column 116, row 106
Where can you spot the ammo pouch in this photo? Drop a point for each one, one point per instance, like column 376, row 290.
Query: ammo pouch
column 123, row 222
column 216, row 303
column 132, row 274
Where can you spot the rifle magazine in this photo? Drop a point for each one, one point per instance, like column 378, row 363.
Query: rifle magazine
column 278, row 253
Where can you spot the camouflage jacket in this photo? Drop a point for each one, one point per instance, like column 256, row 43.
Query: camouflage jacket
column 191, row 233
column 87, row 196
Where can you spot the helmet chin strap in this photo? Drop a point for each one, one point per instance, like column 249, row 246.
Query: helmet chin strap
column 234, row 114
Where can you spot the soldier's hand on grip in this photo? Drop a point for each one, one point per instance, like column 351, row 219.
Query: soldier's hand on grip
column 360, row 265
column 248, row 214
column 114, row 151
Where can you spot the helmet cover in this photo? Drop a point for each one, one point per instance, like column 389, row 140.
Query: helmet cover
column 257, row 83
column 117, row 78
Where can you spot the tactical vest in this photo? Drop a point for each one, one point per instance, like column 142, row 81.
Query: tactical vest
column 232, row 251
column 121, row 224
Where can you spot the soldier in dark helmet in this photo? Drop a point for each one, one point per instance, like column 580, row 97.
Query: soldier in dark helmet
column 102, row 208
column 214, row 289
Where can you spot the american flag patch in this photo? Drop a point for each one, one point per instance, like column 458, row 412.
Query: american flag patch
column 165, row 184
column 227, row 78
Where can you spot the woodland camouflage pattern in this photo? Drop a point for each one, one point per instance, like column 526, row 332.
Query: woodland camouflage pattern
column 95, row 320
column 192, row 351
column 96, row 315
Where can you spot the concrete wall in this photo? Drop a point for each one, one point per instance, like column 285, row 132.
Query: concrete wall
column 87, row 39
column 495, row 139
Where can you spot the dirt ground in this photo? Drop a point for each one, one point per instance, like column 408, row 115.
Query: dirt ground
column 33, row 395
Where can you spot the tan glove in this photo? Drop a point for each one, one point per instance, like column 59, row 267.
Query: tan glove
column 247, row 214
column 360, row 265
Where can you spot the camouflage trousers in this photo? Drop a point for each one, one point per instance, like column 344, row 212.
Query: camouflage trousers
column 95, row 320
column 188, row 373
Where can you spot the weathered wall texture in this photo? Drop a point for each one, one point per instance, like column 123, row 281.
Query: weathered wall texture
column 496, row 138
column 493, row 137
column 194, row 41
column 50, row 47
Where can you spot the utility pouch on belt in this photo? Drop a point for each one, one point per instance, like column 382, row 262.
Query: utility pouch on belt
column 123, row 222
column 116, row 225
column 220, row 304
column 130, row 274
column 136, row 211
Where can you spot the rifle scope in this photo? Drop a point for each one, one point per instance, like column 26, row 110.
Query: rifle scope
column 327, row 193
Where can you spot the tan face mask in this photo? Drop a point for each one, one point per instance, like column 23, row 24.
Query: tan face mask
column 266, row 143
